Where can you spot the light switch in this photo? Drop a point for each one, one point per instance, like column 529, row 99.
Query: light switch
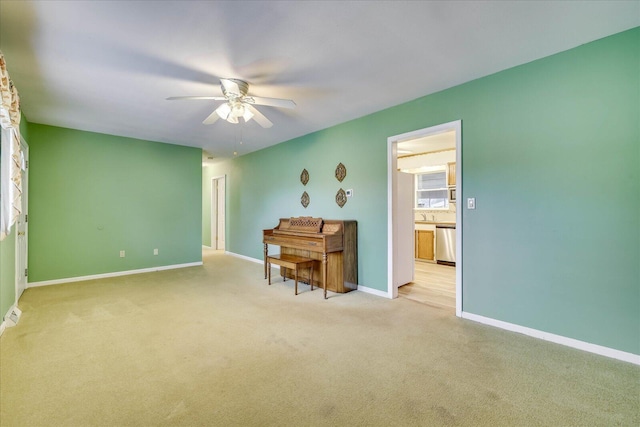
column 471, row 203
column 349, row 193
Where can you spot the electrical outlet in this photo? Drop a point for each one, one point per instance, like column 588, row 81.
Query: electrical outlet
column 121, row 254
column 155, row 252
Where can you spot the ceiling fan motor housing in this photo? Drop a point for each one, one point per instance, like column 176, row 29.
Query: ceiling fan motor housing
column 243, row 89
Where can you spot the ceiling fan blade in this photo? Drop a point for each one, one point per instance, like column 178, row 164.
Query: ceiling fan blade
column 230, row 87
column 258, row 117
column 212, row 118
column 271, row 102
column 215, row 98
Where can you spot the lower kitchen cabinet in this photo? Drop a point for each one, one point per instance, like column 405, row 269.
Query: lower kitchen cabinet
column 424, row 245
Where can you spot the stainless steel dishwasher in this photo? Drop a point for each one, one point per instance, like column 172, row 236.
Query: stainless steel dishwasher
column 446, row 244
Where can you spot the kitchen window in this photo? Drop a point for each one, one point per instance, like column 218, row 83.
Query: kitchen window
column 431, row 190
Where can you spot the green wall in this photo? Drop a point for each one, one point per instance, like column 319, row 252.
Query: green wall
column 265, row 185
column 92, row 195
column 8, row 255
column 550, row 151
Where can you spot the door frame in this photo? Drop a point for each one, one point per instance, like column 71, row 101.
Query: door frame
column 392, row 166
column 20, row 269
column 214, row 209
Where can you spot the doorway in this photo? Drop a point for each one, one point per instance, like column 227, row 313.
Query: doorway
column 402, row 209
column 218, row 194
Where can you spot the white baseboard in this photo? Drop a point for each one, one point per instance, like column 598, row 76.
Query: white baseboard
column 558, row 339
column 206, row 247
column 114, row 274
column 246, row 258
column 372, row 291
column 5, row 324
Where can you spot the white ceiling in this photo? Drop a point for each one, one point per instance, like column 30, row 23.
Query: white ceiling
column 107, row 66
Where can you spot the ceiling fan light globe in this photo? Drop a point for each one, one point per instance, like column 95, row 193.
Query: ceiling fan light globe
column 237, row 110
column 224, row 111
column 247, row 115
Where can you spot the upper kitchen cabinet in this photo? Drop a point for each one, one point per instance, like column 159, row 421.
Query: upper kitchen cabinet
column 451, row 174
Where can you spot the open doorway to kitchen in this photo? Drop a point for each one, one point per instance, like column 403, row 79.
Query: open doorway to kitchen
column 425, row 227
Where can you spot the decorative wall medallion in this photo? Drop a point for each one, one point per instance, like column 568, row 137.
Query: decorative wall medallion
column 304, row 177
column 341, row 197
column 341, row 172
column 304, row 199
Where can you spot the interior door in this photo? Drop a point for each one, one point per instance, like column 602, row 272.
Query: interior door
column 220, row 209
column 22, row 227
column 404, row 247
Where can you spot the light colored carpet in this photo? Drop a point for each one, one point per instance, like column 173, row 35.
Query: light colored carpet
column 214, row 345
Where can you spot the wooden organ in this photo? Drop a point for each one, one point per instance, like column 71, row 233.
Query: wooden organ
column 333, row 243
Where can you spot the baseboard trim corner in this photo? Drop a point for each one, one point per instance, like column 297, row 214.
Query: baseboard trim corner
column 4, row 325
column 557, row 339
column 114, row 274
column 375, row 292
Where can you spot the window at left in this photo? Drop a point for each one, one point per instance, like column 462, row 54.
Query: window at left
column 11, row 157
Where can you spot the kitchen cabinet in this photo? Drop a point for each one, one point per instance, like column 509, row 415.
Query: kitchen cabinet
column 451, row 174
column 424, row 244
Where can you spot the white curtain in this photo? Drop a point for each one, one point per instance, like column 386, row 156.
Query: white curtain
column 10, row 154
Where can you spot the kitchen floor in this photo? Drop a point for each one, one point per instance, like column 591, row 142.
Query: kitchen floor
column 433, row 285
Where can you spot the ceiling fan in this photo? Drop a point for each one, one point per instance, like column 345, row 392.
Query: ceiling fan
column 239, row 104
